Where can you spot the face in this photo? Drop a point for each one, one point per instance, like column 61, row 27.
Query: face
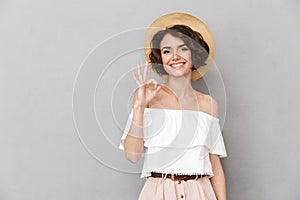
column 176, row 56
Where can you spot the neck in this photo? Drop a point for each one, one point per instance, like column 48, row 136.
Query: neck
column 181, row 86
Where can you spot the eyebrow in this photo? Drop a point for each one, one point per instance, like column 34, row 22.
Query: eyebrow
column 168, row 47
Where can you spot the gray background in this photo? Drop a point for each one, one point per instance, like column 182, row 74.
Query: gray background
column 43, row 44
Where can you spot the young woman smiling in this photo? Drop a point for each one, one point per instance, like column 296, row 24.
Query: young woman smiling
column 174, row 126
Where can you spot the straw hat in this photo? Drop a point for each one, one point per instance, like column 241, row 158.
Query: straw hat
column 183, row 19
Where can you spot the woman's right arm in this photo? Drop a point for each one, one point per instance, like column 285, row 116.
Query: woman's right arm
column 134, row 141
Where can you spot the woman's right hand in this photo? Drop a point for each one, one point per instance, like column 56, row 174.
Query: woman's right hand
column 147, row 89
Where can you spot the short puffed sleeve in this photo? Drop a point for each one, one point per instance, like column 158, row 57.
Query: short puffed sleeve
column 125, row 132
column 216, row 142
column 128, row 124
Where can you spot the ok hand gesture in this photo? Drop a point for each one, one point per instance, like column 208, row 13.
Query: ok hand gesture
column 147, row 89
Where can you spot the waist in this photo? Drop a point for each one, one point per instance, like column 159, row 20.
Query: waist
column 175, row 177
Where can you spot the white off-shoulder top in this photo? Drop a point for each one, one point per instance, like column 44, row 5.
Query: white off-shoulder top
column 178, row 141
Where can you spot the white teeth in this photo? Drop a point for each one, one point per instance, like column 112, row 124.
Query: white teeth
column 177, row 65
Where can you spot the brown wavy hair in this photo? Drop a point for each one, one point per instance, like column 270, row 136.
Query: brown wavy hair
column 192, row 39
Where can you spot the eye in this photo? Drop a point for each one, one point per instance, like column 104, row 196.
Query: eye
column 166, row 51
column 184, row 49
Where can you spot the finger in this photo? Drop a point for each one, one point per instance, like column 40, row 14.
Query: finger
column 153, row 81
column 146, row 71
column 150, row 82
column 135, row 78
column 157, row 91
column 139, row 72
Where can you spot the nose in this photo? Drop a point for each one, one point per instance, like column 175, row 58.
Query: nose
column 175, row 56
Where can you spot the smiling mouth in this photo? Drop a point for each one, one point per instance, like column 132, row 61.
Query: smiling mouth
column 177, row 65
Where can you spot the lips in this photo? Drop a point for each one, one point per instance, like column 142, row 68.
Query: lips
column 177, row 65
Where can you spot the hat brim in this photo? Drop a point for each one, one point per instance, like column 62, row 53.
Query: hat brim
column 184, row 19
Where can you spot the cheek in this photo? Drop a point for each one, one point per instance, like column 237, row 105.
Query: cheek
column 187, row 56
column 165, row 58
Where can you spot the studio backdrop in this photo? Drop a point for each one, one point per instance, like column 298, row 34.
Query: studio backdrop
column 66, row 92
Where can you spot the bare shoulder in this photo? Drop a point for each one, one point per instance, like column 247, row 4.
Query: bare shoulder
column 208, row 104
column 212, row 106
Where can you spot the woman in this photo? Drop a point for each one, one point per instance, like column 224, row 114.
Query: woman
column 176, row 127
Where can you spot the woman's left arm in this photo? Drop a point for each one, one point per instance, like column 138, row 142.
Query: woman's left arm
column 218, row 180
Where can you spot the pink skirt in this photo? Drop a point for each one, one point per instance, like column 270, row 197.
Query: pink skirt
column 166, row 189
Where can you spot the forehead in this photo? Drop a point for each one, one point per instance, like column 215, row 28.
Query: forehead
column 170, row 41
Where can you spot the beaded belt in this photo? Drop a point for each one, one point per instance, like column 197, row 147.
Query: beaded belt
column 175, row 177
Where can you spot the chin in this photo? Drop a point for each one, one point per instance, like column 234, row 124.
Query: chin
column 178, row 73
